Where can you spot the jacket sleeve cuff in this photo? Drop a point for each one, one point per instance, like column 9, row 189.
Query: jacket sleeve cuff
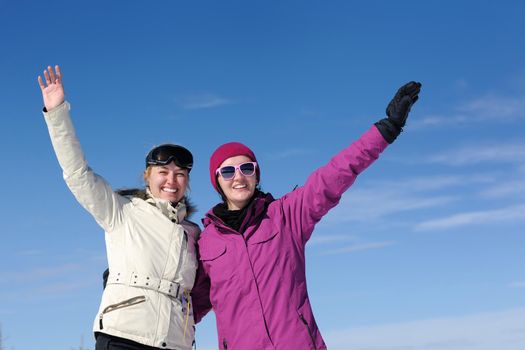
column 64, row 104
column 388, row 130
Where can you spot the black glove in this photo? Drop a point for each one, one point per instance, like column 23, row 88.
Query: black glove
column 397, row 111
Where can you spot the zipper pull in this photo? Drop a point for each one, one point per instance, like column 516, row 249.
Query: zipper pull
column 100, row 321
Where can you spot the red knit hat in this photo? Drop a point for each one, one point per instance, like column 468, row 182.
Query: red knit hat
column 228, row 150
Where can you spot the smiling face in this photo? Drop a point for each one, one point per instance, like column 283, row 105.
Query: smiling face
column 168, row 182
column 240, row 189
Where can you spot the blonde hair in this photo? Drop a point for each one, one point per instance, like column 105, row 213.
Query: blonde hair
column 147, row 174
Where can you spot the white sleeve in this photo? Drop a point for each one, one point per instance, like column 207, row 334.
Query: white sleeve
column 90, row 190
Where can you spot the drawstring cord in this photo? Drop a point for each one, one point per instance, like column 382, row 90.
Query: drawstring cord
column 188, row 306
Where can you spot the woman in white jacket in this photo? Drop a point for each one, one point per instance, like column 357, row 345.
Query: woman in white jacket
column 150, row 243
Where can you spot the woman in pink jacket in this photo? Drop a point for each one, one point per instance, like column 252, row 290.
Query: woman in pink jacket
column 252, row 250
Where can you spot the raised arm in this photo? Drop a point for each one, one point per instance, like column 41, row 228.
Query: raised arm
column 90, row 190
column 323, row 189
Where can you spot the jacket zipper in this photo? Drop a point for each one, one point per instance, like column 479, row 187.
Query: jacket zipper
column 122, row 304
column 224, row 344
column 308, row 329
column 183, row 252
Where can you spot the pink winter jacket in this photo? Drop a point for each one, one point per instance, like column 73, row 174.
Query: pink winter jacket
column 256, row 281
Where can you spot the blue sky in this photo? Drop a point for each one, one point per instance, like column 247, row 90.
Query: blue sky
column 425, row 251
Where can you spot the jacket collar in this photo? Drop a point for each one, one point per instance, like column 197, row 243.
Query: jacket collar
column 175, row 214
column 254, row 213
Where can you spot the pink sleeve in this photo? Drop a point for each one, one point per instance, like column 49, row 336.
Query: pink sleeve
column 305, row 206
column 200, row 294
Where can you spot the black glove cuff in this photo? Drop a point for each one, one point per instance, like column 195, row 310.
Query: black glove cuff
column 389, row 130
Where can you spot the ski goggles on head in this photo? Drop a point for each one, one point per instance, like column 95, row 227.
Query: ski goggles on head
column 228, row 171
column 167, row 153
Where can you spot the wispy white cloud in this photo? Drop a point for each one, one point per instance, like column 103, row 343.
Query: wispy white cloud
column 495, row 107
column 379, row 201
column 59, row 288
column 505, row 189
column 438, row 120
column 37, row 281
column 203, row 101
column 46, row 282
column 358, row 247
column 489, row 107
column 372, row 203
column 48, row 289
column 504, row 330
column 494, row 153
column 37, row 273
column 429, row 183
column 326, row 239
column 517, row 284
column 509, row 214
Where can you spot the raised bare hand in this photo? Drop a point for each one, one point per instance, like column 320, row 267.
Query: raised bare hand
column 52, row 89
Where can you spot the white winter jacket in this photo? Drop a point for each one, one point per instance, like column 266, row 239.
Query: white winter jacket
column 152, row 260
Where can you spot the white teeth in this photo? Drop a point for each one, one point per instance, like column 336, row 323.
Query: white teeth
column 170, row 190
column 239, row 186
